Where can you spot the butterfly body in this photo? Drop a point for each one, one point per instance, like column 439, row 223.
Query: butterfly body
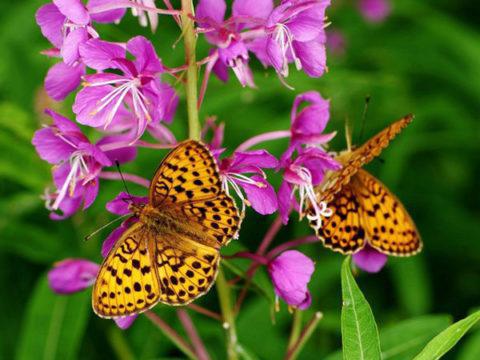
column 171, row 253
column 364, row 211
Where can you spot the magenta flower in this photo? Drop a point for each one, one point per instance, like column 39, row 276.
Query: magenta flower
column 302, row 175
column 137, row 88
column 374, row 10
column 259, row 193
column 232, row 50
column 308, row 124
column 72, row 275
column 295, row 33
column 67, row 24
column 290, row 273
column 77, row 164
column 370, row 260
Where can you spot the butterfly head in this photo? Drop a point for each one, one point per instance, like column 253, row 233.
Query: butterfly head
column 136, row 208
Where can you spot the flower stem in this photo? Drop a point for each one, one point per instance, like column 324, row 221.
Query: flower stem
column 111, row 175
column 307, row 332
column 193, row 334
column 171, row 334
column 228, row 316
column 189, row 40
column 274, row 135
column 296, row 328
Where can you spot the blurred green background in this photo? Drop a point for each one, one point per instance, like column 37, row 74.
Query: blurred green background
column 424, row 59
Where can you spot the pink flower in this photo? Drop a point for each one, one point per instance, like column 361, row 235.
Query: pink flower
column 72, row 275
column 77, row 164
column 137, row 88
column 259, row 193
column 374, row 10
column 232, row 50
column 370, row 260
column 296, row 34
column 290, row 273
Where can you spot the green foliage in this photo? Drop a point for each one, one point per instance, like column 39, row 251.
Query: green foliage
column 54, row 325
column 359, row 330
column 424, row 59
column 447, row 339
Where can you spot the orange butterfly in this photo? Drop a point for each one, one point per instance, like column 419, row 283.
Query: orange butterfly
column 171, row 254
column 364, row 211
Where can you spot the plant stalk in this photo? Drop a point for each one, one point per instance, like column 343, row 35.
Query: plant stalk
column 224, row 298
column 191, row 90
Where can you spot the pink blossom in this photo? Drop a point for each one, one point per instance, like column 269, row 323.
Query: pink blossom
column 370, row 260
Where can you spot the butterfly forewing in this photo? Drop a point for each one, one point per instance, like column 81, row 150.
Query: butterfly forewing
column 127, row 282
column 188, row 173
column 361, row 156
column 389, row 227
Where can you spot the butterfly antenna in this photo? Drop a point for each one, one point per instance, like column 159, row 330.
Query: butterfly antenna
column 364, row 117
column 88, row 237
column 123, row 179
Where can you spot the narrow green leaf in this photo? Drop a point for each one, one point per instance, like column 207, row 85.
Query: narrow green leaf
column 447, row 339
column 53, row 325
column 360, row 339
column 406, row 338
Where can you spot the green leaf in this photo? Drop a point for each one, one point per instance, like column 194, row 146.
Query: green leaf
column 53, row 325
column 405, row 339
column 359, row 331
column 447, row 339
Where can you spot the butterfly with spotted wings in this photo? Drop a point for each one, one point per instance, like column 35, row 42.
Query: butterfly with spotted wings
column 364, row 211
column 171, row 253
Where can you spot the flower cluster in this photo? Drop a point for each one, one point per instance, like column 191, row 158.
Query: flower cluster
column 122, row 94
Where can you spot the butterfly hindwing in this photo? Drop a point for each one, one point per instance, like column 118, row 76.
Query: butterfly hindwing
column 186, row 270
column 343, row 230
column 188, row 173
column 127, row 283
column 361, row 156
column 389, row 227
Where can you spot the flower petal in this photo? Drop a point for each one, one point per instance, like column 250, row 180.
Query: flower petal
column 125, row 322
column 50, row 147
column 263, row 198
column 258, row 9
column 74, row 10
column 370, row 260
column 213, row 9
column 71, row 44
column 109, row 16
column 312, row 55
column 285, row 199
column 123, row 154
column 72, row 275
column 62, row 79
column 99, row 55
column 51, row 21
column 250, row 161
column 146, row 59
column 119, row 205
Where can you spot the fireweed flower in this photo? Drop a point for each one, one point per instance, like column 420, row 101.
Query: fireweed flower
column 77, row 164
column 73, row 275
column 290, row 273
column 301, row 175
column 67, row 24
column 374, row 10
column 295, row 33
column 232, row 50
column 370, row 260
column 137, row 88
column 259, row 193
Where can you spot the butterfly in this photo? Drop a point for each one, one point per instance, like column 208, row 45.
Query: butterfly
column 171, row 253
column 364, row 211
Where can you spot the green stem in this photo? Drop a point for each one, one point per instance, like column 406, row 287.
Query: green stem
column 191, row 91
column 119, row 344
column 293, row 352
column 225, row 300
column 296, row 328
